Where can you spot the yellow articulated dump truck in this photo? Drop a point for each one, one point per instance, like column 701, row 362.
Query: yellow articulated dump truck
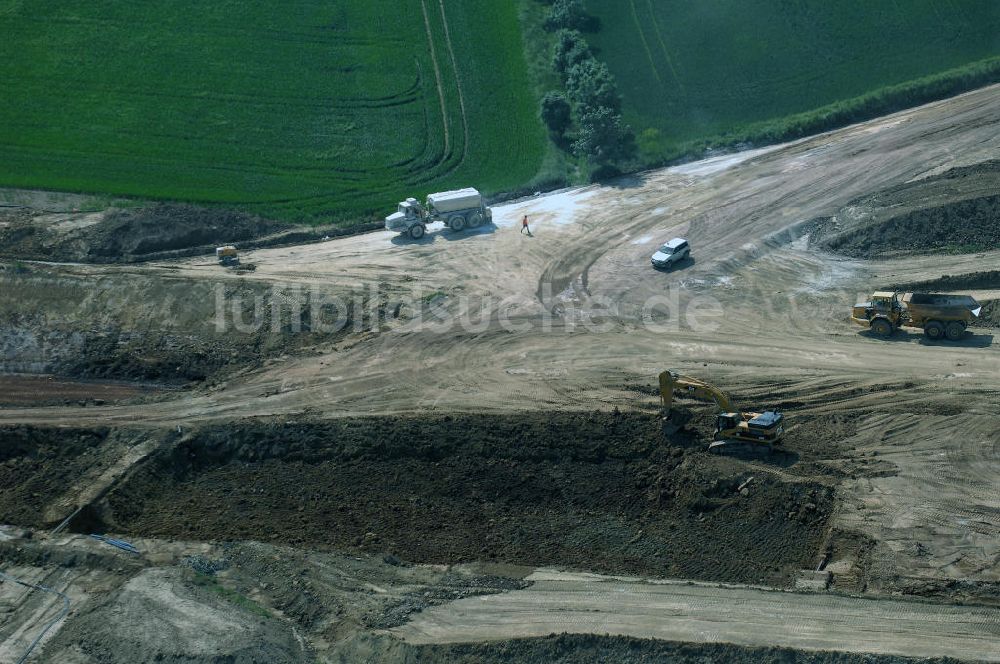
column 940, row 316
column 227, row 255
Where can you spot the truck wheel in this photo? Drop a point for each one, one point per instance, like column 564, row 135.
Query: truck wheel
column 955, row 330
column 417, row 231
column 475, row 220
column 934, row 330
column 456, row 223
column 881, row 327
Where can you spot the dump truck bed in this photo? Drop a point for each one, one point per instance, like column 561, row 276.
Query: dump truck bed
column 942, row 307
column 459, row 199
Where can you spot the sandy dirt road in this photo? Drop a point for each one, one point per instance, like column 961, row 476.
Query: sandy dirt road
column 676, row 611
column 755, row 300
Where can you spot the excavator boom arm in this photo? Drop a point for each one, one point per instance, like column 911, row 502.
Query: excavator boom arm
column 672, row 383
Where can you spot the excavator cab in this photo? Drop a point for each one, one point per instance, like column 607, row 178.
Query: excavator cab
column 727, row 422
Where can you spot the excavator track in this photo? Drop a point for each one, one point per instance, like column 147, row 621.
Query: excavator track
column 741, row 448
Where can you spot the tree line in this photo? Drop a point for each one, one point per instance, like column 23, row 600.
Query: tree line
column 591, row 102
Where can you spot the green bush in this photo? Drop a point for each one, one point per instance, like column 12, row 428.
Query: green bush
column 569, row 14
column 604, row 136
column 592, row 92
column 570, row 49
column 556, row 113
column 591, row 85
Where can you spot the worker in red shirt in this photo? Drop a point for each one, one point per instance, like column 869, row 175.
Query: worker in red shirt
column 524, row 226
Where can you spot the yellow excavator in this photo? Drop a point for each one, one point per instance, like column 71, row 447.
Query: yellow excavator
column 753, row 431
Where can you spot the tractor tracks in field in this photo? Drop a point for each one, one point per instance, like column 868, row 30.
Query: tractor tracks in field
column 645, row 44
column 663, row 46
column 439, row 80
column 458, row 84
column 437, row 76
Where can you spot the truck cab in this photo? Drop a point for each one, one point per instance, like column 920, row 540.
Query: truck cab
column 885, row 301
column 408, row 218
column 882, row 313
column 411, row 209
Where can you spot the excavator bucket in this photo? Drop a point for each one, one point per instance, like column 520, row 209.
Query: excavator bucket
column 674, row 421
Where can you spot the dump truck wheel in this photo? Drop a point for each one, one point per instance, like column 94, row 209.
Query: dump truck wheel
column 881, row 327
column 417, row 231
column 475, row 220
column 456, row 223
column 934, row 330
column 955, row 330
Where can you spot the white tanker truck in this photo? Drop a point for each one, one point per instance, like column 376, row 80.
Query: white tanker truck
column 459, row 209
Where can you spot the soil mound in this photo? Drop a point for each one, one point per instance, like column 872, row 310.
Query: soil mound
column 170, row 227
column 583, row 648
column 990, row 315
column 158, row 617
column 962, row 227
column 36, row 466
column 950, row 282
column 955, row 211
column 166, row 230
column 128, row 235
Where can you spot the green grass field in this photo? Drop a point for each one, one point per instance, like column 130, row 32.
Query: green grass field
column 693, row 70
column 332, row 110
column 314, row 110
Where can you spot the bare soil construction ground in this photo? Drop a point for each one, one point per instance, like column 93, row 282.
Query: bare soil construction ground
column 154, row 232
column 48, row 390
column 350, row 446
column 582, row 649
column 564, row 603
column 956, row 211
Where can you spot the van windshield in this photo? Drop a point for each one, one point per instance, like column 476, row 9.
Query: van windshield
column 666, row 250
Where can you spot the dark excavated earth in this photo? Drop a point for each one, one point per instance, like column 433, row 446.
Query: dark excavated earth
column 596, row 491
